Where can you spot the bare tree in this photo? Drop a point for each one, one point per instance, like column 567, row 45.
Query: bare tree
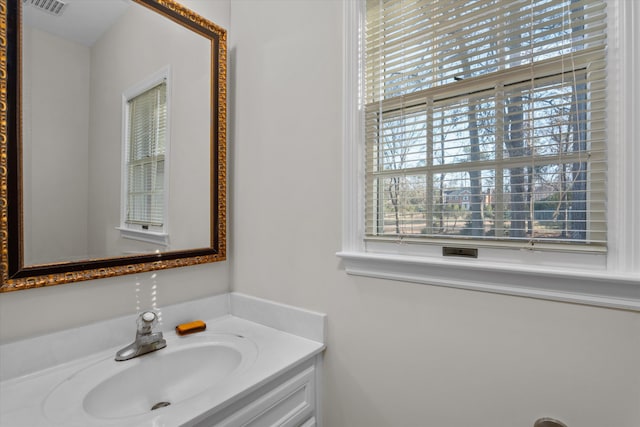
column 396, row 145
column 578, row 120
column 515, row 144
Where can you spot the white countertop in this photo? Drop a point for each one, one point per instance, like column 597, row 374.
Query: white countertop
column 22, row 398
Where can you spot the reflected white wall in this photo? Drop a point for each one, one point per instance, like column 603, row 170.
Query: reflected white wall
column 136, row 47
column 55, row 133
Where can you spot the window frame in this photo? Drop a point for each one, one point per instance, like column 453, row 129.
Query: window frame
column 157, row 235
column 609, row 279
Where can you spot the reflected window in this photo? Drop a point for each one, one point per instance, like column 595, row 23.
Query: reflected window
column 144, row 210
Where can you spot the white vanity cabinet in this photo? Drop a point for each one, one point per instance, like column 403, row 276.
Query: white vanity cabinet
column 289, row 400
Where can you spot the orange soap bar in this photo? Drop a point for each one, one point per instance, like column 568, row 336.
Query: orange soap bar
column 191, row 327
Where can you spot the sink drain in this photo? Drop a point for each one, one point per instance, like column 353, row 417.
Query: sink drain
column 160, row 405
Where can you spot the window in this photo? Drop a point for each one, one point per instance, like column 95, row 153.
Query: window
column 500, row 103
column 500, row 126
column 144, row 206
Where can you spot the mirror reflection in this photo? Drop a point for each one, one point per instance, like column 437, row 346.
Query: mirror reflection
column 113, row 140
column 116, row 104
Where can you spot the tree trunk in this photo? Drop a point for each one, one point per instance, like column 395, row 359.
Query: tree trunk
column 475, row 176
column 394, row 194
column 514, row 141
column 578, row 196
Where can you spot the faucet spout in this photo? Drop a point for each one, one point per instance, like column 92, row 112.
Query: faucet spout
column 146, row 340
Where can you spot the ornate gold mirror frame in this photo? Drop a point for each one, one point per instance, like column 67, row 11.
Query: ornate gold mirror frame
column 14, row 274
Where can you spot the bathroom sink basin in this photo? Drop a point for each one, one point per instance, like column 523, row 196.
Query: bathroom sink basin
column 185, row 369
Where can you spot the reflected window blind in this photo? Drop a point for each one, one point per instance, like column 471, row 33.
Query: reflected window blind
column 146, row 155
column 486, row 120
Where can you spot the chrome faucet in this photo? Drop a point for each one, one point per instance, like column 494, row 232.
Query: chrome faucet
column 146, row 340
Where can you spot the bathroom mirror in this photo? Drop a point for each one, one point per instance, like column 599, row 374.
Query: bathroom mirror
column 112, row 139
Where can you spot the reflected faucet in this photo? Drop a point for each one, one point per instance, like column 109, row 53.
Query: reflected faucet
column 146, row 340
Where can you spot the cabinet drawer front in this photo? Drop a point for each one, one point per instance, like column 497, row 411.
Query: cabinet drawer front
column 287, row 405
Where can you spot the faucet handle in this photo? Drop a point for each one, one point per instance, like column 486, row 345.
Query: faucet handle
column 148, row 316
column 146, row 321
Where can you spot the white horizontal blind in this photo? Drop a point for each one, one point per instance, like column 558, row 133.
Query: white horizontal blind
column 146, row 154
column 485, row 119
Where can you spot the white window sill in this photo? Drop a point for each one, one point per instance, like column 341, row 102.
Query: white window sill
column 568, row 285
column 144, row 236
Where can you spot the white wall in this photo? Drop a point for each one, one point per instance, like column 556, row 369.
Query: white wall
column 37, row 311
column 56, row 129
column 399, row 354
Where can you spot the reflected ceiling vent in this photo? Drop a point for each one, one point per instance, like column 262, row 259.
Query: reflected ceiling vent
column 54, row 7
